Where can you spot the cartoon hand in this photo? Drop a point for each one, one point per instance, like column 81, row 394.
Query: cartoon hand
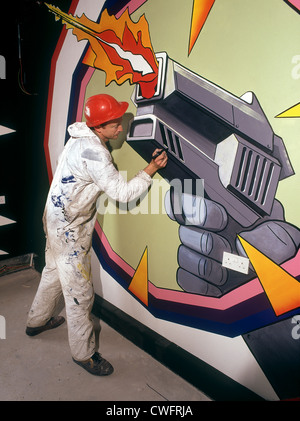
column 206, row 231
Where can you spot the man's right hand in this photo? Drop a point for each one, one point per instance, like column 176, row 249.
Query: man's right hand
column 157, row 163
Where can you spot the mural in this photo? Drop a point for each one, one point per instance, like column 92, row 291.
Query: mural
column 210, row 247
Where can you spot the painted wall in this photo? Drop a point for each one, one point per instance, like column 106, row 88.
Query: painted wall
column 242, row 46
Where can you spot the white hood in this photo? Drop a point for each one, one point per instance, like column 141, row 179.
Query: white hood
column 80, row 129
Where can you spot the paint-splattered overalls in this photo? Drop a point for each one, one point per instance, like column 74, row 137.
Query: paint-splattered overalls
column 85, row 169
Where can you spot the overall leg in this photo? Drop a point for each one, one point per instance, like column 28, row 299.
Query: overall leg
column 74, row 272
column 48, row 294
column 68, row 271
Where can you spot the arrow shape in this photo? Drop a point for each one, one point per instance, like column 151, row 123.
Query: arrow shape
column 139, row 283
column 282, row 289
column 5, row 221
column 5, row 130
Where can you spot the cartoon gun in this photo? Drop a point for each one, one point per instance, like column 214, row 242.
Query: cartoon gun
column 212, row 135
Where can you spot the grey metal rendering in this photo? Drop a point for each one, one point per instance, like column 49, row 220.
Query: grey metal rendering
column 213, row 135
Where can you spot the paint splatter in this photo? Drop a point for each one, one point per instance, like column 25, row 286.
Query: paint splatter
column 85, row 273
column 69, row 179
column 57, row 201
column 74, row 254
column 70, row 236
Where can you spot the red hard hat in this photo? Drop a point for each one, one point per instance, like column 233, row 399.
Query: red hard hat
column 102, row 108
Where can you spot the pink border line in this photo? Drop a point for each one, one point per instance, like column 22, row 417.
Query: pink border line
column 243, row 293
column 132, row 6
column 295, row 3
column 111, row 253
column 83, row 86
column 240, row 294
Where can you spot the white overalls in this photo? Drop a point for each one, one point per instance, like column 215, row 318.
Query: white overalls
column 85, row 169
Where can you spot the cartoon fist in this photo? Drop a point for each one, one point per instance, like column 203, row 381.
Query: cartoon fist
column 206, row 231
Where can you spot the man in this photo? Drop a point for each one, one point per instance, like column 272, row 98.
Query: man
column 84, row 170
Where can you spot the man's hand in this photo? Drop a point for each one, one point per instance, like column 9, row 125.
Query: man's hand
column 159, row 161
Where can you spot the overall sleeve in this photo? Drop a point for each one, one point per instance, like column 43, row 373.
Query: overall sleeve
column 99, row 165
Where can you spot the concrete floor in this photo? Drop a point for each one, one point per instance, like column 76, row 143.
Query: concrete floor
column 40, row 368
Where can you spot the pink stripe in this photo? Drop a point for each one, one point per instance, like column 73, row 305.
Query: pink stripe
column 295, row 3
column 113, row 256
column 133, row 5
column 243, row 293
column 240, row 294
column 83, row 86
column 234, row 297
column 292, row 266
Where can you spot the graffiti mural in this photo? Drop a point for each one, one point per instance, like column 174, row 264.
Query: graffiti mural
column 211, row 248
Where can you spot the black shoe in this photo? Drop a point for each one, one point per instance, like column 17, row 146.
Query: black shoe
column 52, row 324
column 96, row 365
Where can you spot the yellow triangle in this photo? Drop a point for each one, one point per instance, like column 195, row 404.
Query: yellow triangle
column 139, row 283
column 201, row 9
column 291, row 112
column 282, row 289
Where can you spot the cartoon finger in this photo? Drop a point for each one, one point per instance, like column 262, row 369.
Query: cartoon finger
column 204, row 242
